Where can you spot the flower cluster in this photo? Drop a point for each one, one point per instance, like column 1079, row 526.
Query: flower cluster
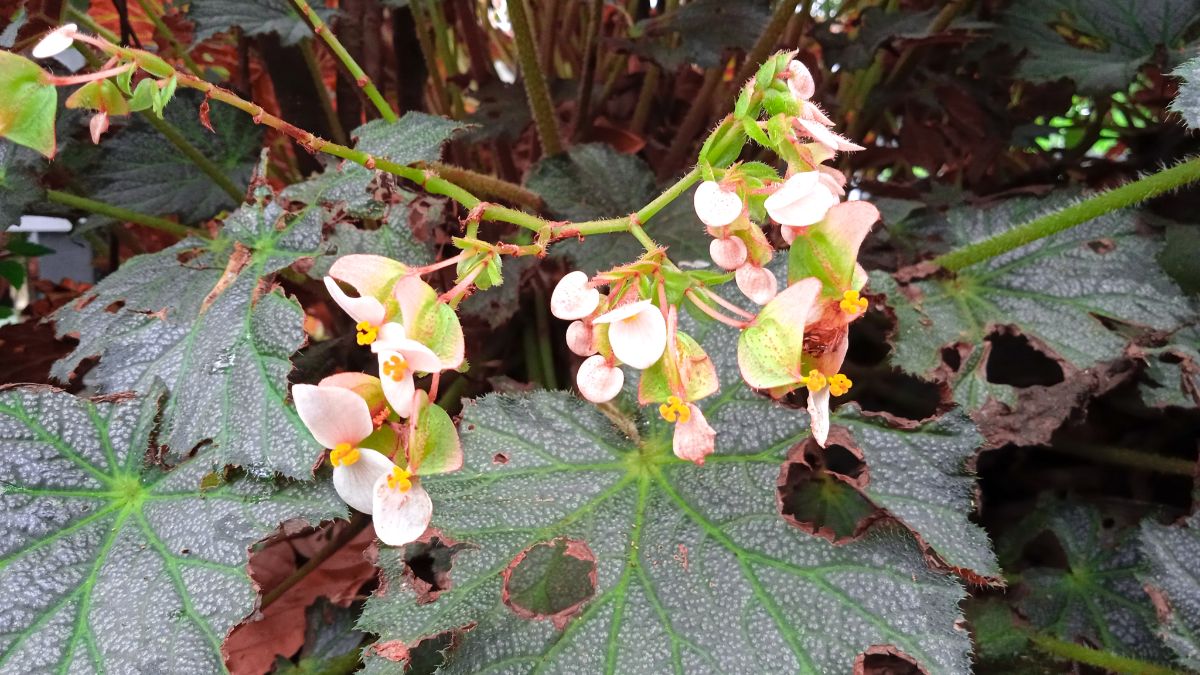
column 382, row 432
column 798, row 338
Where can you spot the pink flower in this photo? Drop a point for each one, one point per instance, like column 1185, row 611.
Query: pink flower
column 715, row 205
column 802, row 200
column 372, row 276
column 598, row 380
column 399, row 359
column 637, row 332
column 818, row 414
column 800, row 81
column 728, row 253
column 98, row 125
column 821, row 134
column 581, row 339
column 55, row 42
column 757, row 283
column 694, row 439
column 573, row 298
column 402, row 507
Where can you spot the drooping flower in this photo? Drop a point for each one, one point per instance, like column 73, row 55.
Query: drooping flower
column 802, row 200
column 372, row 276
column 717, row 206
column 98, row 125
column 694, row 439
column 756, row 283
column 55, row 42
column 339, row 419
column 599, row 380
column 399, row 358
column 729, row 253
column 637, row 332
column 573, row 298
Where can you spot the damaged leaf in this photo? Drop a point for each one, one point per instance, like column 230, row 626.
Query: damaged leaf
column 1170, row 577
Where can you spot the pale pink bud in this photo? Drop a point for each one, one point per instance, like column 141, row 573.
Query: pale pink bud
column 821, row 134
column 715, row 205
column 800, row 81
column 802, row 200
column 98, row 125
column 728, row 253
column 580, row 338
column 694, row 439
column 598, row 380
column 573, row 298
column 756, row 283
column 55, row 42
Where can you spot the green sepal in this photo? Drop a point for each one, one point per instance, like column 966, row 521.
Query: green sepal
column 124, row 81
column 766, row 73
column 383, row 440
column 741, row 109
column 28, row 101
column 99, row 95
column 433, row 445
column 694, row 373
column 144, row 95
column 155, row 65
column 676, row 282
column 777, row 102
column 733, row 151
column 757, row 173
column 13, row 271
column 433, row 324
column 755, row 133
column 710, row 277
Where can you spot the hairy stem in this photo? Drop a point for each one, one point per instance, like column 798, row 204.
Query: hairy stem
column 540, row 103
column 348, row 61
column 123, row 214
column 1076, row 214
column 1095, row 657
column 166, row 34
column 489, row 186
column 314, row 69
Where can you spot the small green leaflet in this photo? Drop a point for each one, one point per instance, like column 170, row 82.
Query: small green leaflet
column 255, row 17
column 1171, row 553
column 107, row 562
column 1100, row 44
column 202, row 317
column 1051, row 290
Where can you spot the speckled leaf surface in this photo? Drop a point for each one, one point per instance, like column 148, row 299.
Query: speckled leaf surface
column 18, row 182
column 696, row 571
column 1171, row 554
column 1187, row 102
column 110, row 565
column 197, row 316
column 1100, row 44
column 140, row 170
column 415, row 137
column 1095, row 595
column 255, row 17
column 1172, row 375
column 1054, row 291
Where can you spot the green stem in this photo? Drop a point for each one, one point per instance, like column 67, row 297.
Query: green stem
column 545, row 347
column 429, row 53
column 314, row 69
column 206, row 165
column 153, row 222
column 162, row 29
column 335, row 45
column 490, row 186
column 1095, row 657
column 1126, row 457
column 540, row 102
column 1076, row 214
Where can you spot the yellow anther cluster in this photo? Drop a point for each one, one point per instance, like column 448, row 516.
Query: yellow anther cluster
column 675, row 409
column 815, row 381
column 399, row 479
column 852, row 304
column 343, row 455
column 839, row 384
column 395, row 368
column 366, row 332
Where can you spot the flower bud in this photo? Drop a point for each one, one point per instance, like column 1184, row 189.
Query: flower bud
column 572, row 298
column 598, row 380
column 729, row 253
column 756, row 283
column 800, row 81
column 580, row 338
column 802, row 200
column 715, row 205
column 55, row 42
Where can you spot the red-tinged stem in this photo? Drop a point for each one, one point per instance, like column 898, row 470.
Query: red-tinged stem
column 460, row 290
column 704, row 307
column 89, row 77
column 433, row 386
column 727, row 304
column 433, row 267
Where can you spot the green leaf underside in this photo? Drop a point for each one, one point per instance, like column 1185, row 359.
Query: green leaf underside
column 1098, row 596
column 255, row 17
column 140, row 170
column 107, row 565
column 415, row 137
column 1100, row 44
column 1052, row 290
column 1187, row 102
column 18, row 183
column 1171, row 554
column 696, row 569
column 225, row 358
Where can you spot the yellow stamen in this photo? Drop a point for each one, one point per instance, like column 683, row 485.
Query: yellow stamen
column 343, row 455
column 675, row 410
column 399, row 479
column 815, row 381
column 839, row 384
column 852, row 304
column 395, row 368
column 366, row 332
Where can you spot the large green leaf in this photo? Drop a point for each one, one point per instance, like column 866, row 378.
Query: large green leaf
column 108, row 563
column 141, row 170
column 254, row 17
column 1054, row 292
column 1187, row 103
column 696, row 570
column 200, row 317
column 28, row 101
column 1093, row 593
column 1100, row 44
column 1171, row 553
column 18, row 182
column 416, row 137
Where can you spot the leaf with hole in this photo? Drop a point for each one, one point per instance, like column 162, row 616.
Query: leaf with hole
column 108, row 563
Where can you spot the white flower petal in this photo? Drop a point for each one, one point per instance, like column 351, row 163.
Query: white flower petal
column 728, row 253
column 756, row 283
column 417, row 355
column 581, row 339
column 364, row 308
column 401, row 517
column 802, row 200
column 398, row 392
column 355, row 483
column 800, row 81
column 623, row 312
column 572, row 298
column 821, row 134
column 716, row 206
column 598, row 381
column 333, row 415
column 818, row 414
column 55, row 42
column 639, row 340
